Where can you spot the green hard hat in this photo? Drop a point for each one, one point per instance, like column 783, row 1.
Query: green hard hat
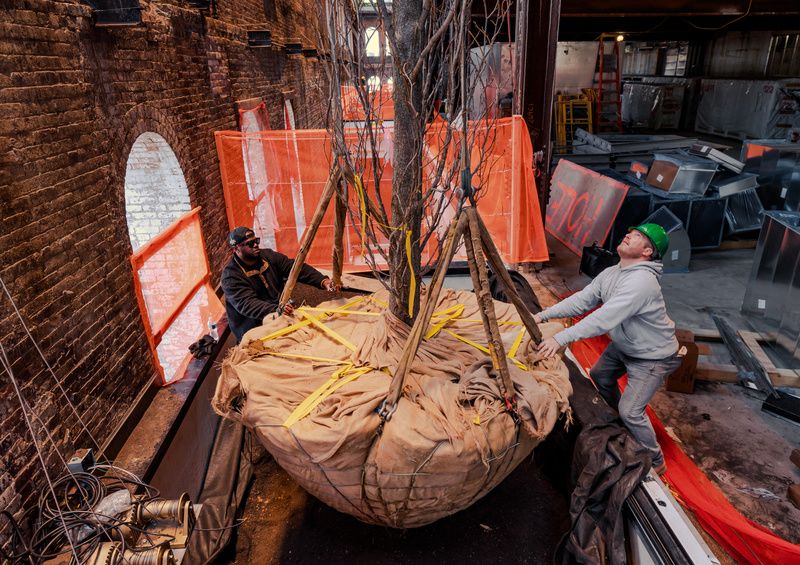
column 657, row 236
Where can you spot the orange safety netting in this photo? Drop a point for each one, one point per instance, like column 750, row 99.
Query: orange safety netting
column 273, row 180
column 380, row 102
column 254, row 119
column 746, row 541
column 171, row 277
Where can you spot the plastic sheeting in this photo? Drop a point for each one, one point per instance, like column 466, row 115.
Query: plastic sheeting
column 273, row 180
column 171, row 279
column 379, row 100
column 492, row 75
column 749, row 108
column 652, row 106
column 744, row 540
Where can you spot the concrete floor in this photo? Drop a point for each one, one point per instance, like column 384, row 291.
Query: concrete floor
column 521, row 521
column 743, row 450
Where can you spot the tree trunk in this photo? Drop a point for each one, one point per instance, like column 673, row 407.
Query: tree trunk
column 409, row 127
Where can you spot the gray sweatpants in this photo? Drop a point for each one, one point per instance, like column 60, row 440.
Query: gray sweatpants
column 645, row 376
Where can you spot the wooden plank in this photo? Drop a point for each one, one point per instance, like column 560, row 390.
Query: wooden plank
column 727, row 373
column 703, row 349
column 750, row 339
column 716, row 373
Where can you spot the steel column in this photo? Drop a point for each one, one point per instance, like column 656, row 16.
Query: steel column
column 536, row 42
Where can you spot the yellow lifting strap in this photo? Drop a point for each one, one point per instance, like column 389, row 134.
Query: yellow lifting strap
column 307, row 321
column 447, row 316
column 512, row 353
column 338, row 379
column 480, row 347
column 335, row 335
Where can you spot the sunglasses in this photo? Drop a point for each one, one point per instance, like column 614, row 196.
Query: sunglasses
column 252, row 243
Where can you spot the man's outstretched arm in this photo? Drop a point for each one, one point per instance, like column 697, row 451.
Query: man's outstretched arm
column 578, row 303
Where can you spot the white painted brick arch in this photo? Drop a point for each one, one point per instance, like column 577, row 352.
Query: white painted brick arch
column 155, row 190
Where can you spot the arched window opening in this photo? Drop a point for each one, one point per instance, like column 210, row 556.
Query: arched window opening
column 170, row 269
column 155, row 191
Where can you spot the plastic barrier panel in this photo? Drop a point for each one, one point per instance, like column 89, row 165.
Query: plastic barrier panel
column 277, row 194
column 254, row 119
column 380, row 101
column 171, row 277
column 583, row 205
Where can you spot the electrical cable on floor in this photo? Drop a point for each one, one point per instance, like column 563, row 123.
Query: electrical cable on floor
column 67, row 522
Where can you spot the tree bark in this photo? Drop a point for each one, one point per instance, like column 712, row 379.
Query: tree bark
column 409, row 127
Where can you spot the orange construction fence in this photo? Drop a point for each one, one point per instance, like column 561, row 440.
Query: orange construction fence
column 380, row 102
column 171, row 278
column 273, row 180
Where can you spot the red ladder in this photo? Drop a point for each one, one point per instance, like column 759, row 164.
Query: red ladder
column 609, row 92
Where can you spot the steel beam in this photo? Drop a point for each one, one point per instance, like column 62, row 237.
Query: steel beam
column 536, row 42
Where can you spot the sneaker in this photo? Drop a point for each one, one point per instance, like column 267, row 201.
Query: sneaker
column 660, row 469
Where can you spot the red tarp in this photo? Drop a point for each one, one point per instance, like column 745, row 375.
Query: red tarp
column 744, row 540
column 272, row 181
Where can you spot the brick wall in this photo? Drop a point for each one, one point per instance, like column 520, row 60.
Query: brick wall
column 73, row 100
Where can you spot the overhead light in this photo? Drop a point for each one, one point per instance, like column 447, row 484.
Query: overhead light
column 620, row 38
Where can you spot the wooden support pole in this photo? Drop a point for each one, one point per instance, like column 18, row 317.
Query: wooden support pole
column 309, row 235
column 500, row 269
column 480, row 280
column 457, row 228
column 338, row 234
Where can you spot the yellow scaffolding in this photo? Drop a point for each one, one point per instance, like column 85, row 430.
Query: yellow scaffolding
column 572, row 112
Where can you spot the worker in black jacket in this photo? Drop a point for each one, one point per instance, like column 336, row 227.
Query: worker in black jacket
column 254, row 279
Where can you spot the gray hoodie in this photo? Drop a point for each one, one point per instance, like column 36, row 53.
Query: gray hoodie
column 633, row 312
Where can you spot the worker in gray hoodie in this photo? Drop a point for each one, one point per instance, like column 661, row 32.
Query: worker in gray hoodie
column 634, row 315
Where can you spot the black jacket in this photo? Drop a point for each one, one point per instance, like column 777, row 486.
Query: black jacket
column 252, row 292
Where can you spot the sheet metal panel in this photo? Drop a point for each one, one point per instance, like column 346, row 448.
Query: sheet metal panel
column 775, row 275
column 745, row 211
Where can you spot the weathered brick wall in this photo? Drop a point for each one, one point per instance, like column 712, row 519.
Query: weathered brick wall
column 73, row 99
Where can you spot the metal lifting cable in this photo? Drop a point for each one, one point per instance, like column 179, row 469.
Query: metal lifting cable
column 7, row 366
column 47, row 364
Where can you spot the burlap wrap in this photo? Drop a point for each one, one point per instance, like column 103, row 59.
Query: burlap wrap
column 449, row 442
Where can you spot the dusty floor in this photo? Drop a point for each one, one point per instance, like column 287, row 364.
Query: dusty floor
column 521, row 521
column 721, row 427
